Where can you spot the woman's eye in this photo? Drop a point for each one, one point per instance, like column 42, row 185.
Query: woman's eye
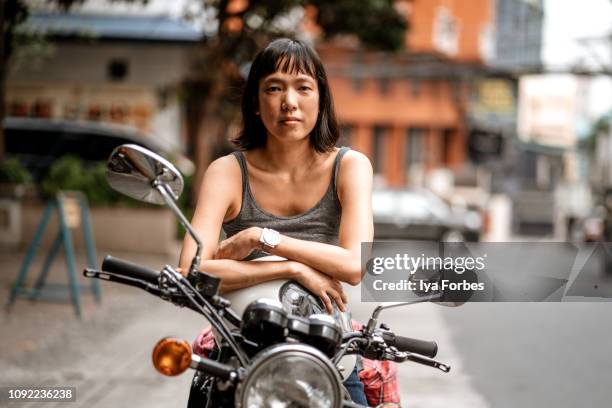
column 305, row 88
column 272, row 89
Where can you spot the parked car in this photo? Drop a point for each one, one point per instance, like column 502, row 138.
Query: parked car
column 38, row 142
column 418, row 214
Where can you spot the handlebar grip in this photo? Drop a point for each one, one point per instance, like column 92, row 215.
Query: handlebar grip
column 212, row 367
column 129, row 269
column 423, row 347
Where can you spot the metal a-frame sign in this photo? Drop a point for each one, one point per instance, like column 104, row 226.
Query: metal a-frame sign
column 73, row 211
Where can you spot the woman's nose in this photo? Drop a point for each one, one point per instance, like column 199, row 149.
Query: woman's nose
column 290, row 100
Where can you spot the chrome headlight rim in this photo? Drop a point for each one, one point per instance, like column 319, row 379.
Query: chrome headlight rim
column 282, row 351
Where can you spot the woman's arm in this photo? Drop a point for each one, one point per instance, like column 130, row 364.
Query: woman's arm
column 219, row 194
column 220, row 190
column 241, row 274
column 342, row 262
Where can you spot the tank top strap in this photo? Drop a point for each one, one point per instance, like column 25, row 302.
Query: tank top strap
column 339, row 156
column 245, row 175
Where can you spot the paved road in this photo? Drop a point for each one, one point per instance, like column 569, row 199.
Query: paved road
column 540, row 354
column 536, row 354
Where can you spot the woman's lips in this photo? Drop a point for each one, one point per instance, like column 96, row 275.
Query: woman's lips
column 290, row 121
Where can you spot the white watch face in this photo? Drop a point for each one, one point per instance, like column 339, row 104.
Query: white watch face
column 271, row 237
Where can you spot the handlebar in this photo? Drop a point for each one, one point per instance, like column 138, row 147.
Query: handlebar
column 212, row 367
column 129, row 269
column 423, row 347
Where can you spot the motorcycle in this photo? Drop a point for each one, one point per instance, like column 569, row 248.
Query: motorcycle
column 283, row 351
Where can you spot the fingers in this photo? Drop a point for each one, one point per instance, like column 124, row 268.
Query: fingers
column 338, row 287
column 344, row 297
column 327, row 302
column 222, row 251
column 337, row 298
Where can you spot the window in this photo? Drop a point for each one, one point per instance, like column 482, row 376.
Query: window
column 379, row 148
column 117, row 69
column 416, row 147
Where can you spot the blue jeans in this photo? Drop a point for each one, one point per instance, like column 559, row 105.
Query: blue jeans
column 354, row 386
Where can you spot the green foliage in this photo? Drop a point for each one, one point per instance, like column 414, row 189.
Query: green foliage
column 602, row 125
column 375, row 22
column 69, row 173
column 13, row 172
column 66, row 173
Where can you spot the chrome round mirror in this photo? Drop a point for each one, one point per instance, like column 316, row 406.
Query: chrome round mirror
column 135, row 171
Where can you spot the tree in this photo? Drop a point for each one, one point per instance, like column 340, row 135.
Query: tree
column 211, row 93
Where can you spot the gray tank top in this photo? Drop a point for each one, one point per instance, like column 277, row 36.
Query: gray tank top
column 321, row 223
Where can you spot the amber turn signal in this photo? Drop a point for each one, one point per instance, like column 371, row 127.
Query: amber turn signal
column 172, row 356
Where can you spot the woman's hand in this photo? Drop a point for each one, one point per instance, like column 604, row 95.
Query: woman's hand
column 239, row 246
column 321, row 285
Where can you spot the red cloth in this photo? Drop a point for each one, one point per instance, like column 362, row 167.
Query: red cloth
column 379, row 378
column 204, row 343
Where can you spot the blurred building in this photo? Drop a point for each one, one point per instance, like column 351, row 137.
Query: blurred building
column 517, row 32
column 116, row 68
column 559, row 111
column 447, row 104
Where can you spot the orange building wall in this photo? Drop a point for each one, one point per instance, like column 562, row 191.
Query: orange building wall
column 398, row 111
column 397, row 106
column 362, row 104
column 472, row 17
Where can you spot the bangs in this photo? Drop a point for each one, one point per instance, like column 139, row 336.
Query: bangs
column 289, row 59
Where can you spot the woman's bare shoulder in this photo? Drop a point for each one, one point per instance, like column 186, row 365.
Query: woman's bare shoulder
column 354, row 161
column 223, row 173
column 224, row 167
column 354, row 176
column 222, row 185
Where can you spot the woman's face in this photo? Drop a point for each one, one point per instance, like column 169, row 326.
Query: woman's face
column 288, row 105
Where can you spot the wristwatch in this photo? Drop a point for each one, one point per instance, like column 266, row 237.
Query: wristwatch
column 269, row 238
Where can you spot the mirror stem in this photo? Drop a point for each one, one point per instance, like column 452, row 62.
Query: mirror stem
column 168, row 197
column 374, row 319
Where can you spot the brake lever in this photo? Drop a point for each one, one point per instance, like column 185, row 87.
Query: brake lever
column 416, row 358
column 113, row 277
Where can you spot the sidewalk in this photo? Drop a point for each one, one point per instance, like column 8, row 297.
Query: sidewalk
column 106, row 355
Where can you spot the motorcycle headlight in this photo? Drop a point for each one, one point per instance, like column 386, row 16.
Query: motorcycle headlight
column 290, row 375
column 299, row 302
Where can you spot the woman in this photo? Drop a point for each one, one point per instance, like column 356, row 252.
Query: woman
column 288, row 191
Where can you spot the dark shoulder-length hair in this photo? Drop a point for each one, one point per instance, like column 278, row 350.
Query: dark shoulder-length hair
column 288, row 56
